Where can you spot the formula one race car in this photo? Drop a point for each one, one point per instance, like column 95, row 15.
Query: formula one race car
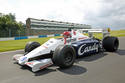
column 63, row 51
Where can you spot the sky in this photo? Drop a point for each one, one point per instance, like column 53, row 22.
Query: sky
column 97, row 13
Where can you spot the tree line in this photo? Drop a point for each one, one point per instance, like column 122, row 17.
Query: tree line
column 9, row 27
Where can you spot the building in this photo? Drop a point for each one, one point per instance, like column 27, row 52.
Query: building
column 44, row 27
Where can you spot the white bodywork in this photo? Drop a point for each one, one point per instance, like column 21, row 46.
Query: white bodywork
column 46, row 48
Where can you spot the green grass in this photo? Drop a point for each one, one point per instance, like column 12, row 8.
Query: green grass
column 116, row 33
column 20, row 44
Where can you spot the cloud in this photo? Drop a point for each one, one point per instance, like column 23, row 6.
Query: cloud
column 65, row 10
column 111, row 14
column 98, row 13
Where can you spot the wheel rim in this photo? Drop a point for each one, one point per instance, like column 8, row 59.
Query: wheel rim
column 68, row 58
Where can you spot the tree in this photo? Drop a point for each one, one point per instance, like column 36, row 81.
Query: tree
column 8, row 22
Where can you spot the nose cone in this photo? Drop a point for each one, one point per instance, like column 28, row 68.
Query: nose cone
column 22, row 60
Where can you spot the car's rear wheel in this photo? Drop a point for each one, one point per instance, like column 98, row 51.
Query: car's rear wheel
column 31, row 46
column 64, row 56
column 110, row 44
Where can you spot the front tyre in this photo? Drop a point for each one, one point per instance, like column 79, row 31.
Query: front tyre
column 31, row 46
column 64, row 56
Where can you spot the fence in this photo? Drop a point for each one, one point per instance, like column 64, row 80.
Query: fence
column 12, row 33
column 27, row 37
column 26, row 32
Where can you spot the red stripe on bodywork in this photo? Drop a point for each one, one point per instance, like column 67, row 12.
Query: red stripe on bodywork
column 82, row 38
column 30, row 63
column 45, row 46
column 42, row 67
column 64, row 40
column 74, row 32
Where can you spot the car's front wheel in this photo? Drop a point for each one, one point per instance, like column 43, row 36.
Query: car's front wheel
column 64, row 56
column 31, row 46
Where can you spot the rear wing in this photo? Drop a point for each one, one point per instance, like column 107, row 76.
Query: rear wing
column 105, row 32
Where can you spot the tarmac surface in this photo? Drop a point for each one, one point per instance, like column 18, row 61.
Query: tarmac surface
column 105, row 67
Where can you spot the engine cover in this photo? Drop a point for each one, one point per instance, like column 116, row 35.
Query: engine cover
column 86, row 47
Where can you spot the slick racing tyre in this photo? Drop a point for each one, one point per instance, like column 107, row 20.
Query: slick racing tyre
column 64, row 56
column 110, row 44
column 30, row 46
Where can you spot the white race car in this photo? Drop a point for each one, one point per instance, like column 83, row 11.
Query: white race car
column 63, row 51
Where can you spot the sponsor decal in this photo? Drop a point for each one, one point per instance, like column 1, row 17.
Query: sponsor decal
column 82, row 38
column 29, row 63
column 23, row 58
column 84, row 48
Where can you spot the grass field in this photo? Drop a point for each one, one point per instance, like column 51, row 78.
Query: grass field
column 117, row 33
column 20, row 44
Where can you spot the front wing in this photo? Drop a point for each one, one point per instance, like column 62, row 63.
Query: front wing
column 36, row 65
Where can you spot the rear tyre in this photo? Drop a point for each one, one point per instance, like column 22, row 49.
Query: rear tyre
column 64, row 56
column 31, row 46
column 110, row 44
